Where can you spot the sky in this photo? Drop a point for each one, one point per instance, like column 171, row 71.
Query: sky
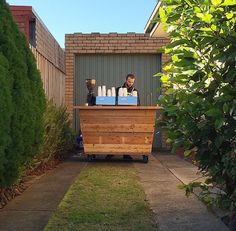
column 72, row 16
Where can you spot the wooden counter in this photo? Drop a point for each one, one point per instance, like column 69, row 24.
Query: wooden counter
column 117, row 130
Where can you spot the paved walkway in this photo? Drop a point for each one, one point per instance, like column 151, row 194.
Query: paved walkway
column 32, row 210
column 160, row 177
column 174, row 211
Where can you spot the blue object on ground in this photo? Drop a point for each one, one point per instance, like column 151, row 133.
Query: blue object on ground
column 79, row 140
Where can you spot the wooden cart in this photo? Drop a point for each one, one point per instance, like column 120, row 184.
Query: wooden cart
column 117, row 130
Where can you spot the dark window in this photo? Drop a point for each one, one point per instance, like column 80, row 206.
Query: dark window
column 32, row 33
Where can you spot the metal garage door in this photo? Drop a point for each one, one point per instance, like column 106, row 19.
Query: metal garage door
column 111, row 70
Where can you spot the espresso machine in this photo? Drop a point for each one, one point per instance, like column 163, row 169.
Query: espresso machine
column 91, row 98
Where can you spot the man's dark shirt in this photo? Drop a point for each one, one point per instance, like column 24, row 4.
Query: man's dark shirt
column 129, row 90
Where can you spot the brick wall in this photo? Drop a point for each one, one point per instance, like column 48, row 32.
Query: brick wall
column 22, row 16
column 113, row 43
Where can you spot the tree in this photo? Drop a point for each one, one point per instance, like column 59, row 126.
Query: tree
column 22, row 100
column 200, row 81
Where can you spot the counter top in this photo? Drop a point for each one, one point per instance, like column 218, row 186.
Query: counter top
column 118, row 107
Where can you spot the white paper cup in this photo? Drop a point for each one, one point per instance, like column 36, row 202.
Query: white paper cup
column 99, row 91
column 109, row 92
column 113, row 92
column 104, row 90
column 125, row 93
column 120, row 92
column 135, row 93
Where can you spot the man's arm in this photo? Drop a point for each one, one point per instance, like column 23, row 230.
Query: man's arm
column 138, row 100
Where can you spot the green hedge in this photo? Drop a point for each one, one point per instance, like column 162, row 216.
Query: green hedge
column 22, row 100
column 200, row 82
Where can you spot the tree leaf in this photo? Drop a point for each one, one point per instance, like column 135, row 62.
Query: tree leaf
column 169, row 91
column 165, row 78
column 216, row 2
column 218, row 141
column 219, row 123
column 229, row 15
column 225, row 108
column 163, row 16
column 187, row 153
column 177, row 43
column 229, row 3
column 214, row 112
column 205, row 17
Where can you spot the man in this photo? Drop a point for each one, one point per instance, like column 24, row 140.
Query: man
column 129, row 84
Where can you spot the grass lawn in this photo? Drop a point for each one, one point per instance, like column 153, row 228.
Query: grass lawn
column 104, row 199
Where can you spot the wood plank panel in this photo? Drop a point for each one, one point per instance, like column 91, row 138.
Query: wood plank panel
column 116, row 139
column 121, row 113
column 117, row 127
column 117, row 120
column 86, row 133
column 118, row 107
column 117, row 148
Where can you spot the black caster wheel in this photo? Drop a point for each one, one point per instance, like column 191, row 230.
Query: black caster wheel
column 145, row 159
column 89, row 158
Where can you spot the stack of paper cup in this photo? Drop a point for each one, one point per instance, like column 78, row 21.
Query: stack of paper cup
column 135, row 93
column 99, row 91
column 125, row 93
column 109, row 92
column 104, row 90
column 113, row 92
column 120, row 93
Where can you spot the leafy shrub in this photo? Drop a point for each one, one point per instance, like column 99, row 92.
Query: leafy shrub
column 22, row 100
column 200, row 81
column 58, row 137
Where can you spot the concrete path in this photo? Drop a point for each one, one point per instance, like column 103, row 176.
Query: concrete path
column 174, row 211
column 32, row 210
column 160, row 178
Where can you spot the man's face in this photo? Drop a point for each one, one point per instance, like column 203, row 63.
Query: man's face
column 130, row 82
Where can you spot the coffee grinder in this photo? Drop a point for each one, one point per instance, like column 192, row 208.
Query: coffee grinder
column 91, row 98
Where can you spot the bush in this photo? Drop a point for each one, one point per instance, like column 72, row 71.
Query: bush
column 200, row 81
column 59, row 138
column 22, row 101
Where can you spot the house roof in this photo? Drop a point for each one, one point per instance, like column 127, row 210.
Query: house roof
column 154, row 28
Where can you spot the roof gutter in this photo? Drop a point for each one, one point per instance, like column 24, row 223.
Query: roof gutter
column 150, row 24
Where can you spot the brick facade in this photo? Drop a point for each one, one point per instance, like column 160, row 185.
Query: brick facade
column 112, row 43
column 22, row 16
